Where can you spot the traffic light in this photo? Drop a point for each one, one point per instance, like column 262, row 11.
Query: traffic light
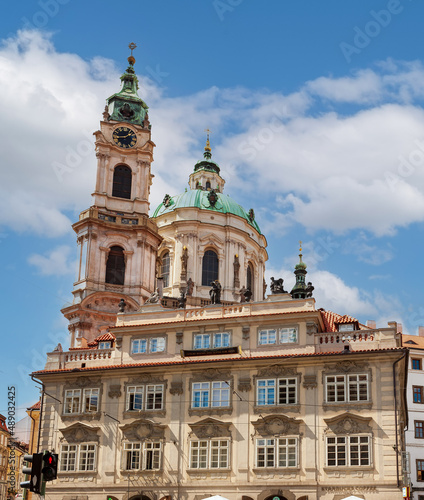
column 34, row 484
column 49, row 466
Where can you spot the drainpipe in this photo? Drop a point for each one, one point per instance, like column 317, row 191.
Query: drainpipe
column 41, row 410
column 396, row 419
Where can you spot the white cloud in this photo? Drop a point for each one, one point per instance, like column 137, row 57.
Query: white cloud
column 56, row 263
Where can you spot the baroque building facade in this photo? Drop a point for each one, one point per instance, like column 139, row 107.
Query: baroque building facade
column 169, row 391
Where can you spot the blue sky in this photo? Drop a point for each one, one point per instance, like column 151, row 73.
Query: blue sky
column 316, row 112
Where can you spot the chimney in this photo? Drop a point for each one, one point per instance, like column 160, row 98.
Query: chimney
column 421, row 331
column 371, row 324
column 399, row 328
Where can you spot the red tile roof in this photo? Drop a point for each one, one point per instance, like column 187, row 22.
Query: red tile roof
column 331, row 320
column 105, row 336
column 35, row 406
column 412, row 341
column 188, row 361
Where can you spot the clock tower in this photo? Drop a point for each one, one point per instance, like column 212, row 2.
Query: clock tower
column 117, row 242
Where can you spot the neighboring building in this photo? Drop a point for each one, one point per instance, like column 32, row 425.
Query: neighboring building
column 34, row 414
column 414, row 436
column 182, row 398
column 17, row 450
column 4, row 455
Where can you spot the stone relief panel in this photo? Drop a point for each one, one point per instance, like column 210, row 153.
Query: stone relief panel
column 278, row 425
column 210, row 428
column 143, row 429
column 349, row 424
column 176, row 388
column 80, row 433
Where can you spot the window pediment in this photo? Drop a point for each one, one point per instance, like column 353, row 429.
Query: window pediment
column 211, row 428
column 146, row 378
column 348, row 424
column 276, row 371
column 277, row 425
column 211, row 374
column 83, row 382
column 143, row 429
column 80, row 433
column 346, row 367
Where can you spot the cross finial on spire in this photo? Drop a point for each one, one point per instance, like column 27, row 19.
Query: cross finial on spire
column 300, row 246
column 208, row 144
column 131, row 58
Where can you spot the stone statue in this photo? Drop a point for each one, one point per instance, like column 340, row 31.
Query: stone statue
column 309, row 289
column 277, row 286
column 106, row 114
column 265, row 286
column 190, row 286
column 236, row 265
column 245, row 294
column 215, row 292
column 182, row 299
column 154, row 297
column 122, row 305
column 58, row 348
column 184, row 260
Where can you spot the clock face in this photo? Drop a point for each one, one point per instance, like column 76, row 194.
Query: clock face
column 124, row 137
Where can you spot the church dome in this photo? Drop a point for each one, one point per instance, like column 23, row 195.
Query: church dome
column 198, row 198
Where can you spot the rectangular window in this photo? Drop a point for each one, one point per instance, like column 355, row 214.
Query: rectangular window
column 346, row 327
column 72, row 401
column 267, row 337
column 68, row 455
column 348, row 451
column 149, row 397
column 221, row 339
column 135, row 398
column 420, row 470
column 419, row 429
column 288, row 335
column 87, row 457
column 91, row 400
column 157, row 344
column 282, row 452
column 213, row 454
column 152, row 455
column 267, row 395
column 210, row 394
column 104, row 345
column 139, row 346
column 417, row 391
column 416, row 364
column 202, row 341
column 132, row 456
column 346, row 388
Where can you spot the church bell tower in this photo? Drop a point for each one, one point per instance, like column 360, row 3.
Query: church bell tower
column 117, row 242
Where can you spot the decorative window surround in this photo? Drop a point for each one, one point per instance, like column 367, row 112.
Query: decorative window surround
column 277, row 453
column 278, row 335
column 77, row 458
column 210, row 454
column 146, row 455
column 148, row 345
column 148, row 400
column 82, row 399
column 203, row 382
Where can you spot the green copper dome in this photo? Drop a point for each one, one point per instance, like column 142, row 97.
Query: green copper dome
column 198, row 198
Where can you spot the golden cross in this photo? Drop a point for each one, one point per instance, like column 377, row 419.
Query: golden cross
column 132, row 46
column 208, row 132
column 300, row 243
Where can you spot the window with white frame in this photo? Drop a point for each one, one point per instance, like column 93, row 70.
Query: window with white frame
column 142, row 456
column 210, row 394
column 277, row 452
column 347, row 388
column 78, row 457
column 145, row 397
column 104, row 345
column 348, row 451
column 81, row 401
column 148, row 345
column 273, row 336
column 211, row 340
column 210, row 454
column 281, row 391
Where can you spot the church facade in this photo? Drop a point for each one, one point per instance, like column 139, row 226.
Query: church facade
column 184, row 379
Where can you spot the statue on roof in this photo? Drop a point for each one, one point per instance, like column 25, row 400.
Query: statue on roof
column 215, row 292
column 122, row 305
column 309, row 290
column 277, row 286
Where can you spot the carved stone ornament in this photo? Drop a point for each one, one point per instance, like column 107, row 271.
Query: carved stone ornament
column 167, row 200
column 311, row 328
column 349, row 490
column 277, row 371
column 346, row 367
column 212, row 374
column 82, row 382
column 211, row 428
column 348, row 424
column 143, row 429
column 115, row 391
column 179, row 337
column 176, row 388
column 246, row 332
column 244, row 384
column 277, row 425
column 310, row 381
column 80, row 433
column 145, row 378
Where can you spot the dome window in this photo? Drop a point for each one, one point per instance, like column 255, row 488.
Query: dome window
column 210, row 266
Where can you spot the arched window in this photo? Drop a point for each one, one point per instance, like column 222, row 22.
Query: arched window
column 209, row 267
column 115, row 266
column 208, row 185
column 122, row 177
column 250, row 278
column 164, row 270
